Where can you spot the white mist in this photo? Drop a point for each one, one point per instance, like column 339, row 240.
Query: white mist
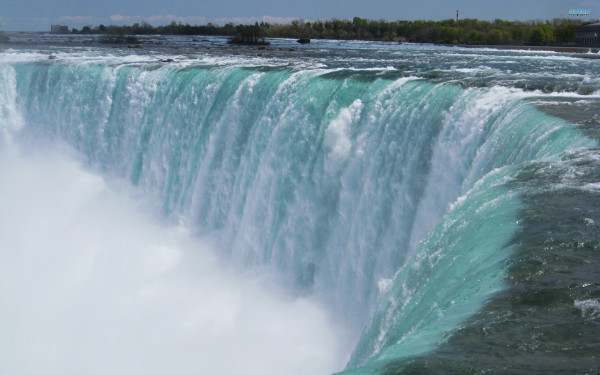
column 92, row 284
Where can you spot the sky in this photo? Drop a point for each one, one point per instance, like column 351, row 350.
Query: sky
column 38, row 15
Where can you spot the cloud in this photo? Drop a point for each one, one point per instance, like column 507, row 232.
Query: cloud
column 270, row 19
column 121, row 18
column 200, row 20
column 117, row 17
column 77, row 19
column 182, row 19
column 164, row 18
column 282, row 20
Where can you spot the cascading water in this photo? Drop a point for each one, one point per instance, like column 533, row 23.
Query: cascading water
column 388, row 197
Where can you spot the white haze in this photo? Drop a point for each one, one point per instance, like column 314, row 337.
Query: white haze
column 91, row 284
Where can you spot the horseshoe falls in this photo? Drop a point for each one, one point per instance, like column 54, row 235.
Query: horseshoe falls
column 341, row 207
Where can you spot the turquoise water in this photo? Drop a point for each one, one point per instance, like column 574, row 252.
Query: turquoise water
column 414, row 192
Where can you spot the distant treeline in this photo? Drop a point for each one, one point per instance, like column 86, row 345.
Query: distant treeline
column 559, row 31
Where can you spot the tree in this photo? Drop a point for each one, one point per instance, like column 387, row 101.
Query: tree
column 471, row 31
column 541, row 34
column 450, row 34
column 497, row 36
column 251, row 35
column 565, row 33
column 474, row 37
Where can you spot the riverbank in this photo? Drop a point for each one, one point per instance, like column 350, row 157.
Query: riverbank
column 560, row 49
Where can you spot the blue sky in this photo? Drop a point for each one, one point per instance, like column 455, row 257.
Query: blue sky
column 38, row 15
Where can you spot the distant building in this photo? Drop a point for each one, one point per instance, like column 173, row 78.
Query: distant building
column 59, row 29
column 588, row 35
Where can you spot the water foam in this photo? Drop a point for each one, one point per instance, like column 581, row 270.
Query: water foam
column 337, row 135
column 590, row 308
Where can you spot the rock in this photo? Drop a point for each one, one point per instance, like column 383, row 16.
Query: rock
column 585, row 56
column 135, row 46
column 303, row 40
